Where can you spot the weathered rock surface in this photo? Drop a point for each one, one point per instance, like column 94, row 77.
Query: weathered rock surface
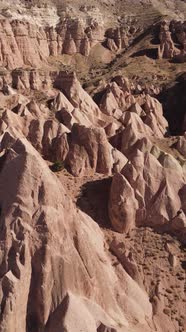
column 47, row 277
column 181, row 145
column 99, row 245
column 24, row 44
column 149, row 191
column 90, row 152
column 167, row 48
column 117, row 39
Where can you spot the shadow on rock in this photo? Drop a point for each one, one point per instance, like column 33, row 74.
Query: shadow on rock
column 150, row 53
column 94, row 201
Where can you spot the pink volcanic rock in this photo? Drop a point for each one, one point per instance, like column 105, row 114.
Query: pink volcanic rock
column 36, row 110
column 85, row 46
column 23, row 43
column 9, row 47
column 167, row 48
column 35, row 134
column 111, row 45
column 53, row 44
column 117, row 39
column 95, row 32
column 79, row 98
column 51, row 133
column 31, row 80
column 112, row 128
column 35, row 80
column 181, row 145
column 117, row 95
column 47, row 276
column 113, row 98
column 138, row 121
column 49, row 138
column 134, row 130
column 127, row 260
column 66, row 118
column 155, row 119
column 17, row 122
column 25, row 35
column 31, row 121
column 136, row 108
column 20, row 80
column 67, row 114
column 119, row 160
column 60, row 101
column 69, row 46
column 123, row 83
column 122, row 204
column 60, row 147
column 124, row 38
column 117, row 101
column 178, row 29
column 46, row 135
column 182, row 194
column 152, row 190
column 89, row 151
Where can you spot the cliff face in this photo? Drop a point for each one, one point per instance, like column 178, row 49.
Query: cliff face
column 23, row 44
column 28, row 36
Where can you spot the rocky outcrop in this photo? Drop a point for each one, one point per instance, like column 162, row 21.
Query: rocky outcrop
column 181, row 145
column 115, row 98
column 147, row 192
column 25, row 44
column 46, row 273
column 167, row 48
column 117, row 39
column 92, row 185
column 142, row 112
column 178, row 28
column 169, row 34
column 47, row 277
column 31, row 121
column 90, row 152
column 85, row 110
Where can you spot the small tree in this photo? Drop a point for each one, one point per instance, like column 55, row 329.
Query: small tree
column 57, row 166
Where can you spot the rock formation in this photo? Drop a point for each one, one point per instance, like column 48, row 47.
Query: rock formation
column 92, row 184
column 146, row 193
column 24, row 44
column 167, row 48
column 117, row 39
column 179, row 30
column 46, row 247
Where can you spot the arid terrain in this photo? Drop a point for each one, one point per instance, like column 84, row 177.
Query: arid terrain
column 92, row 166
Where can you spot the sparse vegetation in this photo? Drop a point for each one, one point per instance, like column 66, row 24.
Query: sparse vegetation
column 57, row 166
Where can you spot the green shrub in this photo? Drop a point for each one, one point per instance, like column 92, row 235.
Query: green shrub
column 57, row 166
